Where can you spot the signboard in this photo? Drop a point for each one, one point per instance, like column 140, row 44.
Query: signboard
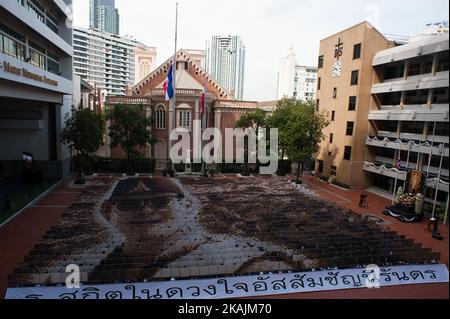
column 23, row 72
column 247, row 286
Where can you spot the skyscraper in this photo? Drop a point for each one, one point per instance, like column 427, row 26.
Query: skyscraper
column 225, row 61
column 104, row 16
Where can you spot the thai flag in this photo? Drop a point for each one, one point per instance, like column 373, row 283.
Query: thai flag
column 203, row 100
column 168, row 85
column 398, row 164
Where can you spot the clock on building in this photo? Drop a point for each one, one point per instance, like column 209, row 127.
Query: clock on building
column 337, row 69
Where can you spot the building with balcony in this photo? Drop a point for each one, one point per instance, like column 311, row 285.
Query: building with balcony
column 36, row 85
column 409, row 116
column 296, row 81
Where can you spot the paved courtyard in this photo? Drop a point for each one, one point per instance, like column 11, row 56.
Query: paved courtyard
column 135, row 229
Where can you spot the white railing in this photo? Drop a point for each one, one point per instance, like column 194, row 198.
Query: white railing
column 423, row 148
column 384, row 170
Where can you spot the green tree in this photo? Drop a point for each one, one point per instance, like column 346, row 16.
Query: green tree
column 255, row 120
column 279, row 119
column 83, row 133
column 129, row 129
column 302, row 132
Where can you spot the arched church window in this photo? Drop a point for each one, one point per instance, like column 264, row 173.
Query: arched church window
column 144, row 68
column 161, row 117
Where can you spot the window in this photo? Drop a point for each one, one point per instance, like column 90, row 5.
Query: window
column 443, row 63
column 414, row 69
column 320, row 64
column 331, row 138
column 333, row 171
column 334, row 93
column 387, row 126
column 37, row 56
column 440, row 96
column 184, row 119
column 416, row 97
column 357, row 51
column 161, row 117
column 12, row 43
column 355, row 76
column 352, row 103
column 319, row 82
column 412, row 127
column 392, row 98
column 333, row 116
column 347, row 153
column 350, row 127
column 317, row 105
column 320, row 168
column 395, row 71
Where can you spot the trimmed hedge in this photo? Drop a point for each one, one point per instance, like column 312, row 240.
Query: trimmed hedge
column 181, row 167
column 115, row 165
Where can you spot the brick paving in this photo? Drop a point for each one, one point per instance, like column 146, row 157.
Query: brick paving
column 19, row 236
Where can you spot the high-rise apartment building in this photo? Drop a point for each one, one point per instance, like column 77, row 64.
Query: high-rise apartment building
column 296, row 80
column 104, row 16
column 36, row 86
column 225, row 61
column 105, row 60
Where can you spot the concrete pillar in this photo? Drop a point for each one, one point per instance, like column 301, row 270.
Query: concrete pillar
column 405, row 72
column 430, row 98
column 197, row 110
column 435, row 64
column 217, row 118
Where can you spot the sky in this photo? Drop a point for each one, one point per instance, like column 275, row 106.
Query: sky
column 268, row 28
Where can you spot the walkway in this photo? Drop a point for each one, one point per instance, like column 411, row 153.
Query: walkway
column 19, row 236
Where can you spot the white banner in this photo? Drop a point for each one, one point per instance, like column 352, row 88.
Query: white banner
column 247, row 286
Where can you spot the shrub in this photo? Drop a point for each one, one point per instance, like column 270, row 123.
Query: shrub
column 284, row 168
column 114, row 165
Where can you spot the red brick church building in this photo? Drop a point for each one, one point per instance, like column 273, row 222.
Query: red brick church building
column 221, row 110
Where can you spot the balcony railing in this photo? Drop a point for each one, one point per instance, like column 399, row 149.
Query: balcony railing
column 418, row 113
column 440, row 184
column 386, row 170
column 404, row 145
column 128, row 100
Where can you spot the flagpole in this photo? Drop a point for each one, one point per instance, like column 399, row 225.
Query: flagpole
column 407, row 164
column 430, row 155
column 397, row 164
column 438, row 182
column 174, row 76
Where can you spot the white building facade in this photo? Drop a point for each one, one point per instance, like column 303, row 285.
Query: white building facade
column 225, row 61
column 145, row 61
column 36, row 85
column 296, row 80
column 105, row 60
column 409, row 117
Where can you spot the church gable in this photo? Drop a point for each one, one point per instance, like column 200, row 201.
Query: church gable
column 158, row 76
